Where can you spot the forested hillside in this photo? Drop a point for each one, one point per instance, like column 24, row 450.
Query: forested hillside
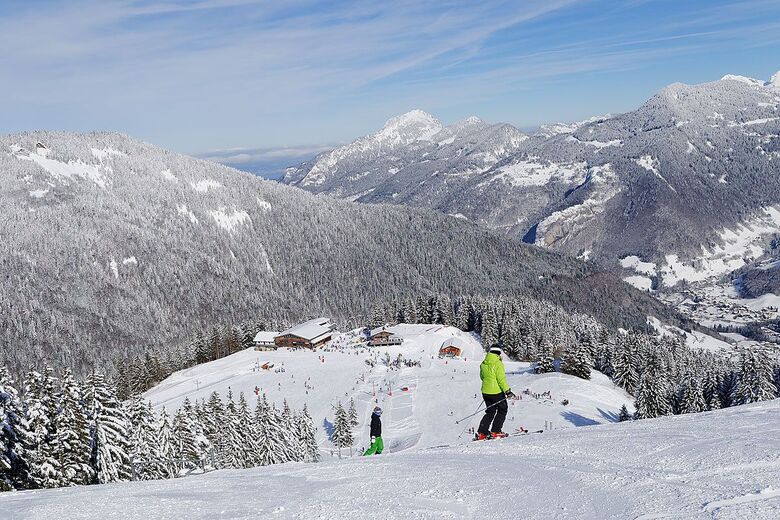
column 110, row 246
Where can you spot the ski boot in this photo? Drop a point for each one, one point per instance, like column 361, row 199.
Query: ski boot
column 481, row 437
column 498, row 435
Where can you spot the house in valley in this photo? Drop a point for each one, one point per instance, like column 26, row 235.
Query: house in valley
column 310, row 334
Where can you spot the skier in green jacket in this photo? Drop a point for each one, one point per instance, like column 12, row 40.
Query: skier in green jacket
column 495, row 392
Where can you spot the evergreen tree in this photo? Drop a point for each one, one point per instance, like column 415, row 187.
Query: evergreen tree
column 652, row 398
column 727, row 389
column 14, row 435
column 165, row 450
column 307, row 435
column 270, row 448
column 342, row 432
column 692, row 397
column 624, row 415
column 545, row 362
column 143, row 436
column 626, row 375
column 756, row 381
column 352, row 414
column 43, row 448
column 108, row 432
column 576, row 361
column 213, row 420
column 73, row 435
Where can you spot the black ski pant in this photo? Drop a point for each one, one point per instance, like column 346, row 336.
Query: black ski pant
column 495, row 413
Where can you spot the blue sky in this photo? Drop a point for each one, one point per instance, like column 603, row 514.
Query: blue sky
column 205, row 75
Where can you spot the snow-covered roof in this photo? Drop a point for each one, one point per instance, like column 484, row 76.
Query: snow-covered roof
column 383, row 328
column 265, row 336
column 312, row 330
column 454, row 342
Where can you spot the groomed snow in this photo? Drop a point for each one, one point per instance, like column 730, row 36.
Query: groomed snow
column 438, row 392
column 713, row 465
column 66, row 171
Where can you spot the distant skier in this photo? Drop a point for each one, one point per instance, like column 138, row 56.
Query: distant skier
column 495, row 392
column 376, row 433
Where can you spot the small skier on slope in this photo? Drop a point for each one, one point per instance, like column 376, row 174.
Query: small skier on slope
column 376, row 433
column 495, row 392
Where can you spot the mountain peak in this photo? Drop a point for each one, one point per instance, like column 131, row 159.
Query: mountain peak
column 415, row 125
column 743, row 79
column 775, row 81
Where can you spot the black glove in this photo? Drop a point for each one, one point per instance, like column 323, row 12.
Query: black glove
column 510, row 395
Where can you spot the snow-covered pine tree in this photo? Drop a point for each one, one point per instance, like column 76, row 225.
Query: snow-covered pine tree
column 342, row 432
column 233, row 455
column 692, row 396
column 246, row 435
column 213, row 419
column 190, row 441
column 652, row 397
column 73, row 434
column 289, row 434
column 352, row 414
column 268, row 433
column 727, row 389
column 756, row 381
column 143, row 436
column 626, row 375
column 165, row 451
column 14, row 435
column 43, row 448
column 545, row 362
column 624, row 415
column 462, row 316
column 576, row 360
column 108, row 431
column 307, row 435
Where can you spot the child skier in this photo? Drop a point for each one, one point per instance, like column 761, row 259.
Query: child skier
column 376, row 433
column 495, row 392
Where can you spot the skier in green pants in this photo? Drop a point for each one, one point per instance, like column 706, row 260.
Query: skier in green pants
column 376, row 434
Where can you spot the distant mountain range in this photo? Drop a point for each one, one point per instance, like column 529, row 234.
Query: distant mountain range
column 109, row 245
column 684, row 188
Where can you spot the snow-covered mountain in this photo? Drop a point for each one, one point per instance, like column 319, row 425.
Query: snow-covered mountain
column 110, row 245
column 720, row 464
column 689, row 181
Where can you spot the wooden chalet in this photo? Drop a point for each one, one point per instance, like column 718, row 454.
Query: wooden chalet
column 382, row 337
column 264, row 340
column 311, row 334
column 451, row 348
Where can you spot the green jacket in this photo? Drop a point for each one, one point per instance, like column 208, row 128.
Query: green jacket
column 492, row 374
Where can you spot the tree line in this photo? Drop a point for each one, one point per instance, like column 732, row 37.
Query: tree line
column 63, row 432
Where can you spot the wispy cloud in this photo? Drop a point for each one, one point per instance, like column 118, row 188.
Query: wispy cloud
column 209, row 73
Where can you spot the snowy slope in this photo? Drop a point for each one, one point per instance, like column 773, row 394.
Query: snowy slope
column 439, row 392
column 722, row 465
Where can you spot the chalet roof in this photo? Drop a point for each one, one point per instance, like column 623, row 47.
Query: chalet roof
column 383, row 328
column 313, row 330
column 454, row 342
column 265, row 336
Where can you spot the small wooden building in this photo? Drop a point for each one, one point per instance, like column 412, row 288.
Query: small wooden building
column 452, row 348
column 311, row 334
column 264, row 340
column 450, row 351
column 382, row 337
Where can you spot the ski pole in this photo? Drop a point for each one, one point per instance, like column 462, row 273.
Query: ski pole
column 475, row 413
